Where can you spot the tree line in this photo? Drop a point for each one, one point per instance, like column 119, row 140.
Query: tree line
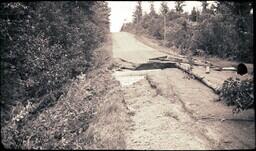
column 224, row 30
column 44, row 45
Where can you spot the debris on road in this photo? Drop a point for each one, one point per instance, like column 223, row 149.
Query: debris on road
column 207, row 70
column 228, row 69
column 170, row 102
column 158, row 58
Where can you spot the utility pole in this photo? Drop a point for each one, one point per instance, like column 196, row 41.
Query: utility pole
column 137, row 24
column 164, row 30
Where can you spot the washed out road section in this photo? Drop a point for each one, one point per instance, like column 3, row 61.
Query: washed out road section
column 169, row 110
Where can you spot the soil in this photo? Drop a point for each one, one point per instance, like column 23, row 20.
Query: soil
column 168, row 110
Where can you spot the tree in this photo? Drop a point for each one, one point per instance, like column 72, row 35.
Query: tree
column 212, row 9
column 101, row 14
column 209, row 34
column 164, row 8
column 179, row 6
column 193, row 14
column 152, row 10
column 137, row 15
column 204, row 6
column 164, row 12
column 238, row 15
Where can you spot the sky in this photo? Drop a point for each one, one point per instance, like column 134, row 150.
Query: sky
column 121, row 11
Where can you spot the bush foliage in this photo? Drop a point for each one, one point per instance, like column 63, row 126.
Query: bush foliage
column 224, row 30
column 44, row 44
column 238, row 93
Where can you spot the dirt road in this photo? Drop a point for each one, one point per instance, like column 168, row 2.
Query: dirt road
column 126, row 46
column 170, row 111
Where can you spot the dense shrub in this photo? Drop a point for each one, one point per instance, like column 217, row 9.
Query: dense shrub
column 238, row 93
column 44, row 44
column 178, row 33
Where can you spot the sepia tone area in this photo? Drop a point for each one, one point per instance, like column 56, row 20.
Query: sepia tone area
column 170, row 111
column 168, row 79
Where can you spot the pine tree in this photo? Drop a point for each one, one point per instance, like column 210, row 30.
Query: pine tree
column 164, row 8
column 152, row 10
column 204, row 5
column 212, row 9
column 193, row 14
column 137, row 15
column 179, row 6
column 101, row 15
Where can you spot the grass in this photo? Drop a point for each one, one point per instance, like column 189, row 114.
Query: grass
column 107, row 128
column 106, row 132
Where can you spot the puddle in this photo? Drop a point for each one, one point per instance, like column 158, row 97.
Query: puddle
column 128, row 77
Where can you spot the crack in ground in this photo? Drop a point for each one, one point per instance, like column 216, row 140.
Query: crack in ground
column 198, row 129
column 159, row 92
column 124, row 64
column 186, row 111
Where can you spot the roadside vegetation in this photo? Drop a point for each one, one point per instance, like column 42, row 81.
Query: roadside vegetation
column 223, row 29
column 55, row 76
column 238, row 93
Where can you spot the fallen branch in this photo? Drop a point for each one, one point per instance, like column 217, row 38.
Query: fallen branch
column 177, row 60
column 214, row 87
column 226, row 119
column 158, row 58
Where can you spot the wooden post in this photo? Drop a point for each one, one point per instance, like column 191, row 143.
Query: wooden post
column 164, row 30
column 137, row 24
column 207, row 69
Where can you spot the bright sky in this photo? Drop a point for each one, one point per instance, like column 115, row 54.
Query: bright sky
column 121, row 11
